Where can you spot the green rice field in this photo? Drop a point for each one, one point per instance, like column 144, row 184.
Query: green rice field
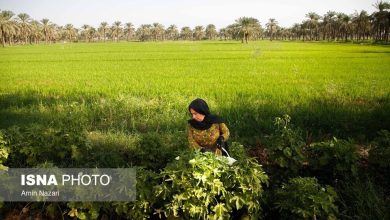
column 130, row 88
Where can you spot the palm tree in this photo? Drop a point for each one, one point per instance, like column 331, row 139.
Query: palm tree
column 198, row 32
column 296, row 31
column 211, row 32
column 381, row 20
column 144, row 32
column 333, row 26
column 222, row 34
column 257, row 32
column 129, row 30
column 338, row 24
column 25, row 26
column 233, row 31
column 362, row 21
column 186, row 33
column 92, row 34
column 36, row 33
column 85, row 32
column 158, row 31
column 55, row 33
column 46, row 28
column 331, row 23
column 172, row 32
column 327, row 25
column 272, row 27
column 117, row 29
column 103, row 28
column 345, row 26
column 247, row 26
column 70, row 32
column 7, row 27
column 313, row 23
column 305, row 29
column 283, row 33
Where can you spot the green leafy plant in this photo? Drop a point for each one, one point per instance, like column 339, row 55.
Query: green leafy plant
column 198, row 185
column 34, row 145
column 285, row 146
column 152, row 153
column 143, row 207
column 237, row 151
column 304, row 198
column 4, row 151
column 334, row 158
column 87, row 210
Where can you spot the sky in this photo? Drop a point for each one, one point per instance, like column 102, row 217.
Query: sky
column 179, row 12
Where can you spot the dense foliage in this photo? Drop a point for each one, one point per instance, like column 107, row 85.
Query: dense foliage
column 4, row 152
column 206, row 187
column 285, row 146
column 194, row 185
column 333, row 159
column 304, row 198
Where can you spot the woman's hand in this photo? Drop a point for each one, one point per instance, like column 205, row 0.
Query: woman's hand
column 220, row 142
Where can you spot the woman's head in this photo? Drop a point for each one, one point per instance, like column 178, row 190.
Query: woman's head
column 198, row 109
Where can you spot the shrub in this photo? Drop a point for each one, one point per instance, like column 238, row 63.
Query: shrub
column 143, row 207
column 285, row 146
column 34, row 145
column 237, row 151
column 304, row 198
column 4, row 152
column 152, row 153
column 198, row 185
column 139, row 209
column 88, row 210
column 333, row 159
column 193, row 186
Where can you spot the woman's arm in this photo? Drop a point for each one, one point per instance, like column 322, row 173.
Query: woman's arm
column 224, row 131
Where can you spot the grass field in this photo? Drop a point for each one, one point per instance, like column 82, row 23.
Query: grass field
column 125, row 105
column 130, row 88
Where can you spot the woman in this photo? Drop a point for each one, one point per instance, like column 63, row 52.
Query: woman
column 206, row 132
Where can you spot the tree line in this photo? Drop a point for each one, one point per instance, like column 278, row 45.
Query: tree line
column 332, row 26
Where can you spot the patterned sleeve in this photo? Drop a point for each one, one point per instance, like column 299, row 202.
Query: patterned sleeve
column 224, row 130
column 192, row 143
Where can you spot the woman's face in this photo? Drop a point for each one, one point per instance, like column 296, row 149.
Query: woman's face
column 197, row 116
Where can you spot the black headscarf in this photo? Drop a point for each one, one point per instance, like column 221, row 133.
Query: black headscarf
column 200, row 106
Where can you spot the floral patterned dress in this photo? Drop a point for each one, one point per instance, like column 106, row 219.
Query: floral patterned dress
column 207, row 138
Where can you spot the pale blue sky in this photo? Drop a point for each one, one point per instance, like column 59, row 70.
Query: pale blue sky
column 179, row 12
